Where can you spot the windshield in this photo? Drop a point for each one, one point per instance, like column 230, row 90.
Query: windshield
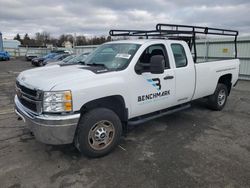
column 116, row 56
column 66, row 59
column 78, row 59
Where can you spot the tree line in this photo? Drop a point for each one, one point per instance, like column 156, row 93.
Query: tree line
column 44, row 38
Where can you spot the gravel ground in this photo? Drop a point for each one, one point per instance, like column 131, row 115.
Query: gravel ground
column 192, row 148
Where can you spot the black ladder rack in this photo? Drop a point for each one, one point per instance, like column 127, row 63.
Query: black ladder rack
column 178, row 32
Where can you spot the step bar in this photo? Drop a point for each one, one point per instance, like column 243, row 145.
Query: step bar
column 158, row 114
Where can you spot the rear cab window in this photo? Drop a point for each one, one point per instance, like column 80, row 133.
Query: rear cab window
column 179, row 55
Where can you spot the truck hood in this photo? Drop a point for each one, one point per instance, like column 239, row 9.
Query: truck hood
column 45, row 78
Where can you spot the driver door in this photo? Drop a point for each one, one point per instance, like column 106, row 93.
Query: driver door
column 153, row 92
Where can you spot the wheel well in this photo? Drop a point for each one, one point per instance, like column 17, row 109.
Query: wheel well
column 227, row 81
column 115, row 103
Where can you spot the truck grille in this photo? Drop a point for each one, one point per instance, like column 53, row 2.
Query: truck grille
column 26, row 90
column 27, row 104
column 31, row 99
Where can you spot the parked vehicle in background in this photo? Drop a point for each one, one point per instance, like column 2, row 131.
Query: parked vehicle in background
column 39, row 60
column 122, row 83
column 62, row 51
column 29, row 57
column 32, row 53
column 56, row 58
column 78, row 59
column 4, row 56
column 65, row 60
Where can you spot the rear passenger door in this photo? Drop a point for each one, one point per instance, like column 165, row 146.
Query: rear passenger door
column 184, row 72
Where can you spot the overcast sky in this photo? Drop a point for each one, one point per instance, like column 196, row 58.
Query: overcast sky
column 96, row 17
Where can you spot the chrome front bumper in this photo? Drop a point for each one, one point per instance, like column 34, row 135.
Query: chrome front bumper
column 49, row 129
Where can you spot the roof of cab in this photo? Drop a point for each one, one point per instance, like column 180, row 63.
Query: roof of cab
column 141, row 41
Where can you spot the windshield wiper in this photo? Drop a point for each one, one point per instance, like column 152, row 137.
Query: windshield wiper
column 97, row 64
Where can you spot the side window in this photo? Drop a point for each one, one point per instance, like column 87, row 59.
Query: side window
column 157, row 49
column 179, row 55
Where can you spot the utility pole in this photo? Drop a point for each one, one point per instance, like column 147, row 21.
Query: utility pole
column 1, row 42
column 74, row 43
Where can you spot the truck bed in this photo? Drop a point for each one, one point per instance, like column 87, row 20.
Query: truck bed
column 208, row 74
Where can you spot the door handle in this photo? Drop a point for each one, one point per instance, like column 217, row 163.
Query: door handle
column 168, row 77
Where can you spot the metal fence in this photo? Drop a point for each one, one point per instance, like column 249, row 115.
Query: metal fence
column 22, row 51
column 217, row 49
column 83, row 49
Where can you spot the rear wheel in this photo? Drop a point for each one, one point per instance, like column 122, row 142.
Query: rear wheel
column 99, row 131
column 218, row 100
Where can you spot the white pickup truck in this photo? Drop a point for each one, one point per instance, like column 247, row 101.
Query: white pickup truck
column 120, row 83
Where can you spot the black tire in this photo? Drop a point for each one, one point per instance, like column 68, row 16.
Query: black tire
column 218, row 100
column 40, row 64
column 89, row 124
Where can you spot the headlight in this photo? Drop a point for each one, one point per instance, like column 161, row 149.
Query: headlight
column 57, row 101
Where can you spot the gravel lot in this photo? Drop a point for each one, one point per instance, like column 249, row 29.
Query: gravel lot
column 193, row 148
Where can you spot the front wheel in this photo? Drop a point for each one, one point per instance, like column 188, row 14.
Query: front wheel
column 99, row 131
column 40, row 64
column 218, row 100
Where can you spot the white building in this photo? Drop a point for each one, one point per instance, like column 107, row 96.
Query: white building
column 67, row 44
column 9, row 43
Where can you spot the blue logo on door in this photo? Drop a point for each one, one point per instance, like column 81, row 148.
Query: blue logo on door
column 156, row 82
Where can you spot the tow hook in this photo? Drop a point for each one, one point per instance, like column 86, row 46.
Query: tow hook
column 20, row 117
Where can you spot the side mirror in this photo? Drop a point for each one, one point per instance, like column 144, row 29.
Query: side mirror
column 157, row 64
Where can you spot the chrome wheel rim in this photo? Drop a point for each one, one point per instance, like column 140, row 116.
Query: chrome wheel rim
column 221, row 97
column 101, row 135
